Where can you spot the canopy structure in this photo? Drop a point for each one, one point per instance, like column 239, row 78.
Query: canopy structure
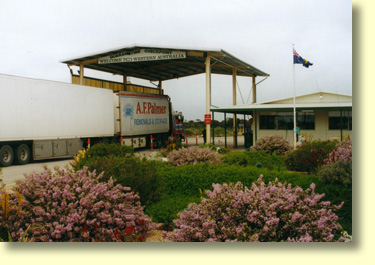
column 160, row 63
column 164, row 63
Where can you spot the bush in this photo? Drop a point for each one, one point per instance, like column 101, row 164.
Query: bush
column 165, row 211
column 193, row 155
column 273, row 212
column 67, row 206
column 223, row 150
column 118, row 161
column 342, row 152
column 212, row 146
column 188, row 180
column 101, row 150
column 219, row 131
column 337, row 173
column 310, row 156
column 139, row 174
column 190, row 132
column 251, row 158
column 275, row 144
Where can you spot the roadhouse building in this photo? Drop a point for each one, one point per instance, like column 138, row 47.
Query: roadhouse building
column 320, row 115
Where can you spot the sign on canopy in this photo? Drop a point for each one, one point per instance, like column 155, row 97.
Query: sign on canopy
column 141, row 55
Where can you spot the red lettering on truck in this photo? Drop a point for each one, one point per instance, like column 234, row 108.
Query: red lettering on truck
column 138, row 109
column 144, row 107
column 150, row 108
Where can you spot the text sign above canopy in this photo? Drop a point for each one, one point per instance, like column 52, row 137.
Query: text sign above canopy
column 141, row 55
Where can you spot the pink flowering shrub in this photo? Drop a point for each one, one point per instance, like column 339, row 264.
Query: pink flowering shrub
column 272, row 144
column 194, row 155
column 342, row 152
column 66, row 206
column 273, row 212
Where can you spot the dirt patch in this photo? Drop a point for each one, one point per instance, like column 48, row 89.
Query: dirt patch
column 155, row 236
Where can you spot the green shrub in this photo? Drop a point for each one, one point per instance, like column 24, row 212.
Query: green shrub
column 223, row 150
column 251, row 158
column 337, row 173
column 165, row 211
column 101, row 150
column 118, row 162
column 336, row 193
column 190, row 179
column 111, row 149
column 310, row 156
column 190, row 132
column 274, row 144
column 139, row 174
column 219, row 131
column 212, row 146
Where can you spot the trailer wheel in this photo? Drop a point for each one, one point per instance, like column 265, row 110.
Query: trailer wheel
column 22, row 154
column 6, row 156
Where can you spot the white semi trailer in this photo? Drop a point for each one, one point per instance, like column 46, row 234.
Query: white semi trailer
column 42, row 119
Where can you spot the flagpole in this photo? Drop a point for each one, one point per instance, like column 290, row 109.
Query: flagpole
column 294, row 105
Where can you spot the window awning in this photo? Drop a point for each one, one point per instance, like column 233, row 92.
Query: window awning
column 246, row 109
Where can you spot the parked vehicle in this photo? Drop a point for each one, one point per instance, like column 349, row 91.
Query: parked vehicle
column 42, row 119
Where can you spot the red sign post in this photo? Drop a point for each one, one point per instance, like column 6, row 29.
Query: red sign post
column 207, row 119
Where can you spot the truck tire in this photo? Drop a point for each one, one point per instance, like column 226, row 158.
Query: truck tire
column 6, row 156
column 22, row 154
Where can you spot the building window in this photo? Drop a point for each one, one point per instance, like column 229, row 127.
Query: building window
column 306, row 120
column 334, row 118
column 285, row 120
column 267, row 120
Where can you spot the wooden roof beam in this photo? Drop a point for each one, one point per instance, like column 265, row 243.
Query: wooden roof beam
column 91, row 61
column 202, row 54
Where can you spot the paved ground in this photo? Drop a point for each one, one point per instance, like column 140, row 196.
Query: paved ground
column 11, row 174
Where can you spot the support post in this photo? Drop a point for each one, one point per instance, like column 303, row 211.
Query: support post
column 244, row 123
column 125, row 82
column 81, row 74
column 255, row 126
column 294, row 108
column 213, row 128
column 254, row 92
column 208, row 96
column 341, row 124
column 225, row 129
column 160, row 88
column 234, row 73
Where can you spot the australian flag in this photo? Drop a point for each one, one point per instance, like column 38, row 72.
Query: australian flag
column 299, row 59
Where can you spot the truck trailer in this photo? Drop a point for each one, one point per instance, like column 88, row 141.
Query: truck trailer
column 42, row 119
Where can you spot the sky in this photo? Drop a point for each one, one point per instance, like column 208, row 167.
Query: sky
column 35, row 36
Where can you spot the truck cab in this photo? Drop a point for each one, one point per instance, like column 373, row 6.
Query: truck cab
column 178, row 120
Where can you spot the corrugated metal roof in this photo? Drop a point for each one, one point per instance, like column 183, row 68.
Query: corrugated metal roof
column 193, row 63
